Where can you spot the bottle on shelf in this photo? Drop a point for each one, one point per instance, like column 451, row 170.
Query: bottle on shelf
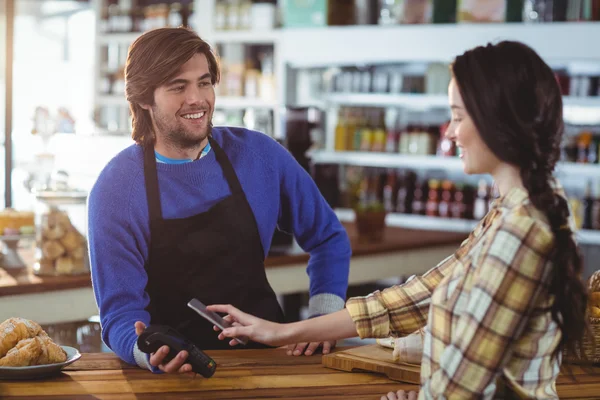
column 588, row 207
column 480, row 206
column 379, row 133
column 433, row 199
column 444, row 208
column 389, row 190
column 596, row 208
column 420, row 197
column 341, row 130
column 367, row 133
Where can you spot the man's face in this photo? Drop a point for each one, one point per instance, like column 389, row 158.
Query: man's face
column 183, row 106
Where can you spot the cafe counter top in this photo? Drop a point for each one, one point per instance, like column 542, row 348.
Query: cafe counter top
column 241, row 374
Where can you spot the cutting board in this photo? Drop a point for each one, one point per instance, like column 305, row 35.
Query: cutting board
column 373, row 358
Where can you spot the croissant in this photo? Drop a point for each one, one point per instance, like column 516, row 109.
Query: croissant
column 25, row 353
column 13, row 330
column 51, row 352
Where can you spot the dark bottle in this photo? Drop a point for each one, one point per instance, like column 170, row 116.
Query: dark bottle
column 596, row 209
column 433, row 199
column 389, row 191
column 444, row 208
column 588, row 206
column 405, row 193
column 420, row 197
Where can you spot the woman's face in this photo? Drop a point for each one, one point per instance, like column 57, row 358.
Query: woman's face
column 477, row 158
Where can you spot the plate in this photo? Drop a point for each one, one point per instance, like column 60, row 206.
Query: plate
column 40, row 371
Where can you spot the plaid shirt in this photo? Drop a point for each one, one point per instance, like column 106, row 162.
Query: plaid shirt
column 485, row 309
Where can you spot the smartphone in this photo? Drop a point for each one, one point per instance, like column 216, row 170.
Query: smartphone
column 213, row 317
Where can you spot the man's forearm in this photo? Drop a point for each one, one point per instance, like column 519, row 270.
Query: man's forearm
column 335, row 326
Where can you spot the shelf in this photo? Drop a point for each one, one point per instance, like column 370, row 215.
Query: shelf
column 416, row 221
column 221, row 102
column 247, row 37
column 239, row 103
column 408, row 100
column 395, row 160
column 327, row 46
column 250, row 37
column 112, row 100
column 118, row 38
column 427, row 101
column 587, row 237
column 385, row 160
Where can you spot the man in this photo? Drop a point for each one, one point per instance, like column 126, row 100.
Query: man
column 190, row 210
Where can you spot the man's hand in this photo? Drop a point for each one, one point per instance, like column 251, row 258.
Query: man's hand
column 309, row 348
column 400, row 395
column 177, row 364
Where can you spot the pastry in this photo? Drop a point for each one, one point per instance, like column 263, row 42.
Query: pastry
column 594, row 305
column 64, row 265
column 594, row 282
column 24, row 343
column 24, row 354
column 52, row 249
column 51, row 352
column 13, row 330
column 71, row 240
column 594, row 295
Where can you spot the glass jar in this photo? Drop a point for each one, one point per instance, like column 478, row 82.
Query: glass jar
column 61, row 247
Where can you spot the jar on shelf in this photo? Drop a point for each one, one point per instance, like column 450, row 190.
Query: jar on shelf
column 61, row 225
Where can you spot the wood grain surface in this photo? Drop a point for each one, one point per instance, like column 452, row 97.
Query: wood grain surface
column 241, row 374
column 373, row 358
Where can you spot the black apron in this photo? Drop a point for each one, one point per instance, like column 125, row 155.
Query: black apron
column 215, row 256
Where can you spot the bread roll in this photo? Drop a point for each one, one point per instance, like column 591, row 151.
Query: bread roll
column 53, row 232
column 51, row 352
column 594, row 282
column 13, row 330
column 78, row 253
column 594, row 305
column 64, row 265
column 24, row 354
column 52, row 249
column 23, row 343
column 71, row 240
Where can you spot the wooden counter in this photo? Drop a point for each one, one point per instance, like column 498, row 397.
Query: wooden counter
column 241, row 374
column 23, row 281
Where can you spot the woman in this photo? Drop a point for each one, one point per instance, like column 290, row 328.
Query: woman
column 503, row 307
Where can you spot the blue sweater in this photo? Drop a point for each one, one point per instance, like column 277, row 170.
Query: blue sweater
column 281, row 194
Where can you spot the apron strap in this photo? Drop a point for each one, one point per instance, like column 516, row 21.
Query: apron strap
column 228, row 171
column 152, row 192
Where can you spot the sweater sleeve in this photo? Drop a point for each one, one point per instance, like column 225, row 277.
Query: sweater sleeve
column 305, row 213
column 118, row 249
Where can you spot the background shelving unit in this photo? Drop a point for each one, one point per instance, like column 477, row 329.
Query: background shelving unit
column 563, row 44
column 204, row 24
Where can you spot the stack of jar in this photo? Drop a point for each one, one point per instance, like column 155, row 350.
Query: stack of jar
column 121, row 16
column 364, row 129
column 239, row 15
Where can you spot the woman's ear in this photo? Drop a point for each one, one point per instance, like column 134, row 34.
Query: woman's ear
column 146, row 107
